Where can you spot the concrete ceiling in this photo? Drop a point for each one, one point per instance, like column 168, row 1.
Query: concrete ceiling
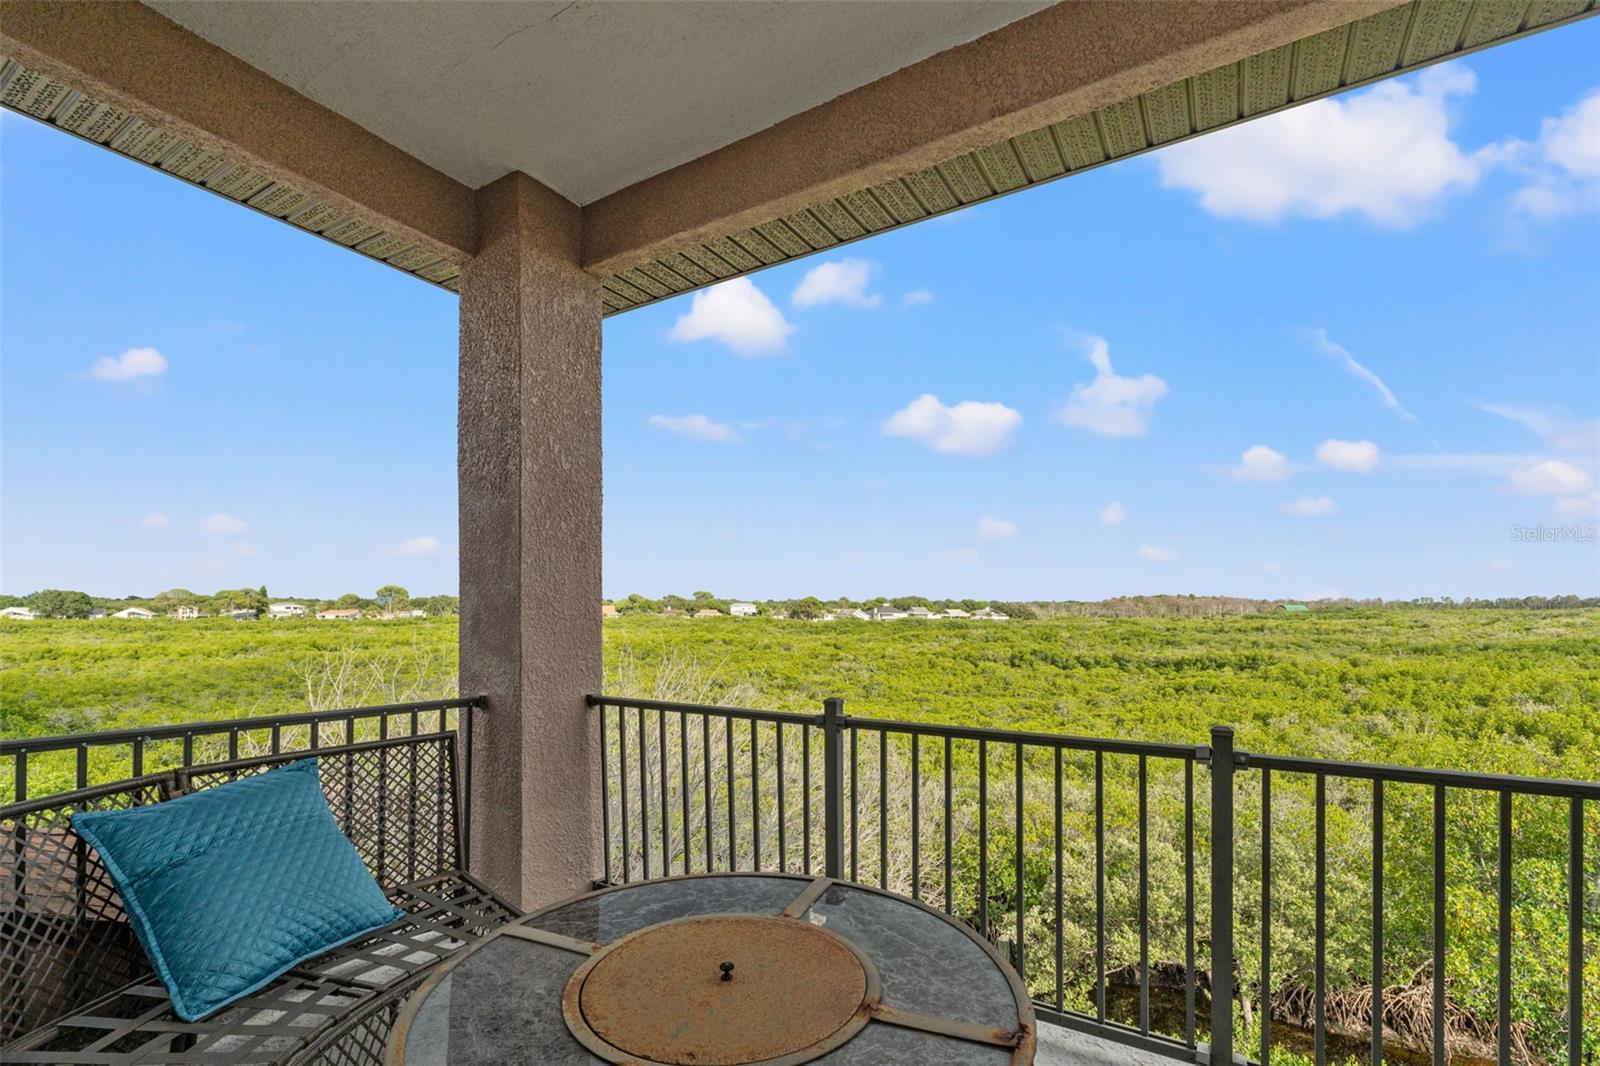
column 478, row 89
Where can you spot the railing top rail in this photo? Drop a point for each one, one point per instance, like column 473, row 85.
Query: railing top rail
column 787, row 717
column 1535, row 786
column 1107, row 745
column 176, row 775
column 67, row 741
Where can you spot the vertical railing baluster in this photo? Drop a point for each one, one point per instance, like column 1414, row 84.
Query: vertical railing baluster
column 188, row 750
column 19, row 777
column 1438, row 926
column 1100, row 886
column 277, row 738
column 705, row 792
column 916, row 817
column 1266, row 918
column 1503, row 861
column 733, row 819
column 855, row 805
column 1320, row 926
column 1188, row 902
column 1377, row 922
column 683, row 785
column 413, row 797
column 1144, row 895
column 1222, row 894
column 783, row 835
column 805, row 796
column 605, row 796
column 644, row 798
column 1022, row 941
column 622, row 792
column 138, row 757
column 1574, row 931
column 666, row 811
column 983, row 839
column 755, row 797
column 1056, row 845
column 949, row 833
column 883, row 808
column 832, row 788
column 83, row 765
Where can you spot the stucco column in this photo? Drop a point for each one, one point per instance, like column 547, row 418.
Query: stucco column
column 529, row 485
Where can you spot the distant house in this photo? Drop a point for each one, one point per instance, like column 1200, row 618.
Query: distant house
column 955, row 612
column 670, row 612
column 287, row 610
column 134, row 612
column 242, row 614
column 919, row 612
column 184, row 613
column 857, row 614
column 742, row 610
column 989, row 614
column 608, row 610
column 348, row 614
column 18, row 614
column 415, row 612
column 887, row 613
column 708, row 612
column 1294, row 608
column 97, row 612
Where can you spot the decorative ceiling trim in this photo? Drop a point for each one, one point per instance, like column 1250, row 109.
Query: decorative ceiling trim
column 1394, row 41
column 30, row 92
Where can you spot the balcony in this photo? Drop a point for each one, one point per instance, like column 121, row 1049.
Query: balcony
column 1152, row 913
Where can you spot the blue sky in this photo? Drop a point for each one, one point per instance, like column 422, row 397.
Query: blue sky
column 1349, row 349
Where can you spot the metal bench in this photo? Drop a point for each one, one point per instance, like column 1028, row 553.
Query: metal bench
column 75, row 985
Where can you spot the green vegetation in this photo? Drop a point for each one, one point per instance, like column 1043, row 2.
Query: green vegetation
column 1501, row 690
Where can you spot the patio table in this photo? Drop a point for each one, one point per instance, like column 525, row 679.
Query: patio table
column 723, row 970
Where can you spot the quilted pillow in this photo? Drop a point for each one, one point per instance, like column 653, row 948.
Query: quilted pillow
column 229, row 887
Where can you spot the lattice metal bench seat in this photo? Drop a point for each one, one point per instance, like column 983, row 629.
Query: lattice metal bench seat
column 77, row 988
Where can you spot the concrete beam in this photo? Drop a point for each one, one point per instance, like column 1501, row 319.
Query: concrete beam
column 1060, row 63
column 129, row 55
column 529, row 483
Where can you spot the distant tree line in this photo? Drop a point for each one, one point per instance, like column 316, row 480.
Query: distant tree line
column 389, row 600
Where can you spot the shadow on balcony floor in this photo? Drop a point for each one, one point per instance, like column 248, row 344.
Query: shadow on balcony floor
column 1063, row 1047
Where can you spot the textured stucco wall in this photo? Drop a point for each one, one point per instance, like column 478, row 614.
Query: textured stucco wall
column 529, row 469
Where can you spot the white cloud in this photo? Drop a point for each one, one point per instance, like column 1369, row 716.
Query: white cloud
column 967, row 428
column 917, row 297
column 1311, row 507
column 995, row 528
column 243, row 550
column 1385, row 153
column 1261, row 463
column 842, row 281
column 739, row 315
column 413, row 547
column 1552, row 477
column 1323, row 594
column 1110, row 405
column 1152, row 554
column 1320, row 341
column 695, row 427
column 222, row 525
column 1357, row 456
column 1466, row 462
column 1563, row 168
column 155, row 520
column 131, row 364
column 1113, row 514
column 957, row 555
column 1558, row 431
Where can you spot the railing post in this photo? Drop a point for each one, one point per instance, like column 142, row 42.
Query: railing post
column 833, row 786
column 1222, row 895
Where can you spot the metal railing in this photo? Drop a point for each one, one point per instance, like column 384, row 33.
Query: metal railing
column 999, row 828
column 80, row 760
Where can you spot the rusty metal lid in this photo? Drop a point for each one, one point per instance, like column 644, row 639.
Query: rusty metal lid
column 794, row 992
